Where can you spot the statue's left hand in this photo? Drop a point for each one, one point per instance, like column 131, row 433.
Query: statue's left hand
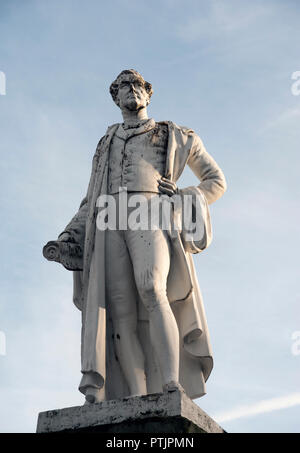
column 167, row 186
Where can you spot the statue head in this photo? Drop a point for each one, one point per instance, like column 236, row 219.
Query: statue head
column 130, row 91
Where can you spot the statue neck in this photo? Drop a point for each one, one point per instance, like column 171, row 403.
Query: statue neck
column 134, row 118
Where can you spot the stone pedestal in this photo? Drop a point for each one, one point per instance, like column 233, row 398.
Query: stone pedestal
column 170, row 412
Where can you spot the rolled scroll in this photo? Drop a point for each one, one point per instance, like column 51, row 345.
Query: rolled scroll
column 69, row 254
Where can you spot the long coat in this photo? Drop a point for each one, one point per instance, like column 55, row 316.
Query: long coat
column 97, row 348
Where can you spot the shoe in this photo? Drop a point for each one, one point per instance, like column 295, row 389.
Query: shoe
column 90, row 399
column 92, row 395
column 173, row 386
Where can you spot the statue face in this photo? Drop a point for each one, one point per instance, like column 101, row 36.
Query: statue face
column 132, row 94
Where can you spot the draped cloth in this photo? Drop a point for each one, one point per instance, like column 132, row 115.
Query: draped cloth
column 100, row 366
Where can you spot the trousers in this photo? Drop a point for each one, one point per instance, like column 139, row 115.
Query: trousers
column 137, row 267
column 137, row 263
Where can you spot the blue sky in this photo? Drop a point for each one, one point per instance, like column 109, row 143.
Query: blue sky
column 221, row 68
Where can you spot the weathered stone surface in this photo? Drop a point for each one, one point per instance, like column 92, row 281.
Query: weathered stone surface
column 131, row 245
column 169, row 412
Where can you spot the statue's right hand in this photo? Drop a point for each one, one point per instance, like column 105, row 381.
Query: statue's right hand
column 67, row 253
column 65, row 237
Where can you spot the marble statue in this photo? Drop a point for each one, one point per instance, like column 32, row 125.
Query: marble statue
column 144, row 327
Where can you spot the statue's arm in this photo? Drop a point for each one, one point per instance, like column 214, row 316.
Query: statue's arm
column 68, row 248
column 212, row 180
column 75, row 230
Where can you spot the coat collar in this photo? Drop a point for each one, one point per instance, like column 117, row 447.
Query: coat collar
column 125, row 134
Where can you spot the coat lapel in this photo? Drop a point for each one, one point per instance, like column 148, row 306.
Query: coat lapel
column 96, row 190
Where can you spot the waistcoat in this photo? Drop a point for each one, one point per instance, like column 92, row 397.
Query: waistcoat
column 137, row 158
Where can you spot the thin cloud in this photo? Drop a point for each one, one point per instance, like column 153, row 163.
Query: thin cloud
column 283, row 119
column 262, row 407
column 221, row 19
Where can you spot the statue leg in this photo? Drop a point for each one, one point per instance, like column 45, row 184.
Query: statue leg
column 122, row 297
column 150, row 255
